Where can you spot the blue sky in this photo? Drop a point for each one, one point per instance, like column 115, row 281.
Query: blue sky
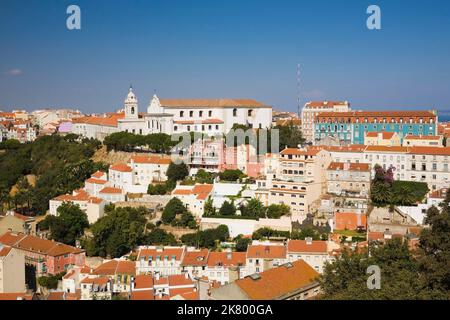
column 218, row 48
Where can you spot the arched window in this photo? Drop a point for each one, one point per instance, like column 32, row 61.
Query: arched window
column 132, row 110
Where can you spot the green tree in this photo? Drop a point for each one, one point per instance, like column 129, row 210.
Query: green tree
column 435, row 249
column 227, row 209
column 177, row 172
column 254, row 208
column 118, row 232
column 173, row 208
column 276, row 211
column 231, row 175
column 209, row 209
column 68, row 225
column 242, row 244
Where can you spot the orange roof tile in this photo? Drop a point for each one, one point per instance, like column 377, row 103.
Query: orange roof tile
column 111, row 190
column 150, row 159
column 393, row 149
column 226, row 259
column 116, row 267
column 120, row 167
column 302, row 246
column 278, row 282
column 300, row 152
column 96, row 181
column 98, row 281
column 441, row 151
column 143, row 281
column 4, row 251
column 413, row 137
column 37, row 245
column 145, row 253
column 195, row 258
column 266, row 251
column 349, row 166
column 15, row 296
column 98, row 174
column 142, row 295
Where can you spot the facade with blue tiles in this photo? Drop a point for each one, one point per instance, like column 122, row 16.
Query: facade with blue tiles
column 352, row 127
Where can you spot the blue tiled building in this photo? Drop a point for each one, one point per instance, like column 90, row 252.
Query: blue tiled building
column 351, row 127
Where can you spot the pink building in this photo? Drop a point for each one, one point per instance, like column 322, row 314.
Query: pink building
column 49, row 257
column 215, row 156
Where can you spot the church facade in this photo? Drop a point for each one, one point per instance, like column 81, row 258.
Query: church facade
column 208, row 116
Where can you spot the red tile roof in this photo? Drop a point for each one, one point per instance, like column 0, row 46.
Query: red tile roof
column 278, row 282
column 145, row 253
column 325, row 104
column 150, row 159
column 116, row 267
column 349, row 166
column 300, row 152
column 266, row 251
column 120, row 167
column 37, row 245
column 96, row 181
column 15, row 296
column 195, row 258
column 226, row 259
column 300, row 246
column 111, row 190
column 4, row 251
column 413, row 137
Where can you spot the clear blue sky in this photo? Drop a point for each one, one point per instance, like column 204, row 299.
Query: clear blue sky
column 224, row 48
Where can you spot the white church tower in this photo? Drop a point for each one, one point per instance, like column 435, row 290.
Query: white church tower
column 131, row 105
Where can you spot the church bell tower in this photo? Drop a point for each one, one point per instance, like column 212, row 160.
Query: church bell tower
column 131, row 105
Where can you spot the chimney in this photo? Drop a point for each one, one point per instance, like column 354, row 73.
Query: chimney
column 308, row 240
column 186, row 275
column 157, row 276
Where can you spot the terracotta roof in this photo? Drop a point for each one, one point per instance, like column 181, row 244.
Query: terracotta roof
column 186, row 294
column 226, row 259
column 120, row 167
column 205, row 121
column 15, row 296
column 266, row 251
column 96, row 181
column 98, row 174
column 300, row 152
column 277, row 282
column 145, row 253
column 351, row 148
column 441, row 151
column 111, row 190
column 349, row 166
column 56, row 295
column 142, row 295
column 116, row 267
column 380, row 114
column 79, row 195
column 349, row 220
column 200, row 191
column 302, row 246
column 4, row 251
column 179, row 280
column 150, row 159
column 37, row 245
column 393, row 149
column 413, row 137
column 210, row 103
column 143, row 281
column 98, row 281
column 111, row 121
column 195, row 258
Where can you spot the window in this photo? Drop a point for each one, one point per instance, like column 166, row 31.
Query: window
column 234, row 112
column 250, row 112
column 209, row 113
column 181, row 114
column 191, row 114
column 200, row 114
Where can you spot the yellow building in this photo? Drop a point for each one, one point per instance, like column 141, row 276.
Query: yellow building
column 382, row 139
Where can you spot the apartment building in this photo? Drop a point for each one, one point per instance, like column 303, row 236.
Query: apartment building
column 352, row 127
column 226, row 267
column 264, row 256
column 162, row 260
column 314, row 252
column 12, row 270
column 313, row 108
column 423, row 141
column 194, row 197
column 351, row 179
column 49, row 257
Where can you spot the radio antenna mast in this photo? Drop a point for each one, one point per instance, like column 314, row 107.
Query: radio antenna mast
column 298, row 91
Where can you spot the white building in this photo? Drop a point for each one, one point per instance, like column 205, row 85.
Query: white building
column 161, row 260
column 194, row 197
column 93, row 206
column 313, row 252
